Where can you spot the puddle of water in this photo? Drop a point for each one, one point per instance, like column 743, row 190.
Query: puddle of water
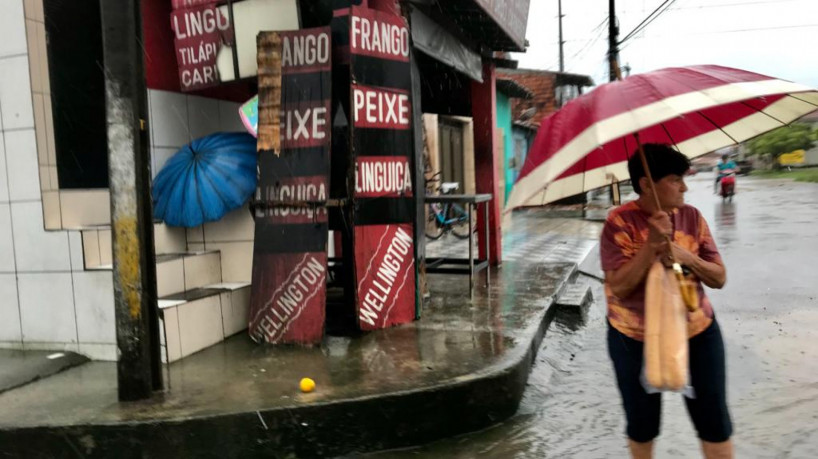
column 769, row 319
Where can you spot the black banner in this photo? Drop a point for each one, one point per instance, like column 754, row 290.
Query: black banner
column 293, row 162
column 380, row 72
column 382, row 142
column 382, row 211
column 293, row 238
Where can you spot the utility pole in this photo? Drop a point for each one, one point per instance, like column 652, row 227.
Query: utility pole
column 139, row 368
column 559, row 13
column 614, row 73
column 613, row 46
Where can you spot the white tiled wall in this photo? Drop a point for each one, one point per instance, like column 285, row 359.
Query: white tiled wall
column 47, row 298
column 6, row 241
column 84, row 208
column 13, row 27
column 236, row 258
column 47, row 314
column 200, row 324
column 4, row 181
column 159, row 157
column 21, row 163
column 176, row 119
column 15, row 90
column 233, row 236
column 36, row 250
column 169, row 122
column 170, row 277
column 235, row 310
column 171, row 327
column 169, row 240
column 94, row 300
column 202, row 270
column 76, row 249
column 9, row 310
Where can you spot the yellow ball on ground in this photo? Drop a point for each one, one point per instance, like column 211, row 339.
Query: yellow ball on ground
column 307, row 385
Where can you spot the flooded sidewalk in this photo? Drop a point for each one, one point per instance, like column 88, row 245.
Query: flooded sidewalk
column 462, row 367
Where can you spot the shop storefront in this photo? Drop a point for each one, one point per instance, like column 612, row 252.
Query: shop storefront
column 393, row 65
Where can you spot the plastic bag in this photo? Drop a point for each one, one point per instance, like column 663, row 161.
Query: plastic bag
column 665, row 363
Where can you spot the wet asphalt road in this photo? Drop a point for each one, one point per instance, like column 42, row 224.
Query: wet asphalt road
column 768, row 313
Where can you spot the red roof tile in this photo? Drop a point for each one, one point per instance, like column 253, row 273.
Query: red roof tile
column 530, row 112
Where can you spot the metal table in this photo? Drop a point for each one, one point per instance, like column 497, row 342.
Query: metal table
column 457, row 265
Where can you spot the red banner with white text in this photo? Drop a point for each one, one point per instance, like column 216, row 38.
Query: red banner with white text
column 384, row 256
column 296, row 286
column 199, row 30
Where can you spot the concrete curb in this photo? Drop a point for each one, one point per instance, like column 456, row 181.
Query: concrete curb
column 36, row 365
column 371, row 423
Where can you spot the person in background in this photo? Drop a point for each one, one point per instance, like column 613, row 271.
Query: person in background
column 634, row 236
column 724, row 165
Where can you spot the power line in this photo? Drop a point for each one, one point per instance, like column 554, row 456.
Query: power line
column 599, row 26
column 589, row 44
column 654, row 37
column 718, row 32
column 723, row 5
column 650, row 18
column 628, row 35
column 799, row 26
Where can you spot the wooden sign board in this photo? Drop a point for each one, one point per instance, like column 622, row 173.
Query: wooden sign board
column 288, row 295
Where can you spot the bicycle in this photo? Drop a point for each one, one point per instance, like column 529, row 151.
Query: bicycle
column 446, row 217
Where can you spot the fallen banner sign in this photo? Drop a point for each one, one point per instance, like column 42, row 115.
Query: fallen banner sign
column 288, row 293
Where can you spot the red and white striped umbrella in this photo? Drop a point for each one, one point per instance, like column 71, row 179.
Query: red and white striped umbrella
column 699, row 109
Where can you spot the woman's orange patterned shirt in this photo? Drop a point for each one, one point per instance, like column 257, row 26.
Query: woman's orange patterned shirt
column 626, row 231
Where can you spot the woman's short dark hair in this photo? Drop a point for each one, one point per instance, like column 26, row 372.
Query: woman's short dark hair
column 662, row 160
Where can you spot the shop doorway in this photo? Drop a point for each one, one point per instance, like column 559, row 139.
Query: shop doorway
column 451, row 153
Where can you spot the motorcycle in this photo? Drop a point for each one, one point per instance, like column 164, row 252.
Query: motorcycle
column 727, row 185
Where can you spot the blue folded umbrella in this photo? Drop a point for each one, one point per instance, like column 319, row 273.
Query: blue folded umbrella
column 206, row 179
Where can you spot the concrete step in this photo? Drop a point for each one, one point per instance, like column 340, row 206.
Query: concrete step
column 591, row 265
column 182, row 272
column 572, row 304
column 22, row 367
column 577, row 295
column 96, row 243
column 197, row 319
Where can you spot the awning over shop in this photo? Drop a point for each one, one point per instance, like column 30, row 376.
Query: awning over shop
column 513, row 89
column 574, row 79
column 429, row 37
column 498, row 25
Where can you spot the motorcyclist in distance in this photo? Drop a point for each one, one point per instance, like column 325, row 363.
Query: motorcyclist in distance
column 724, row 167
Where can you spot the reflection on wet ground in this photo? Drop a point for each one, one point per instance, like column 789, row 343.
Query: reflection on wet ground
column 456, row 339
column 768, row 312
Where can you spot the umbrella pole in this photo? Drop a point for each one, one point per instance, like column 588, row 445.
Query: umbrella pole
column 647, row 173
column 687, row 295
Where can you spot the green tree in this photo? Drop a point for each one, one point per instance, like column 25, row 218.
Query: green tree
column 797, row 136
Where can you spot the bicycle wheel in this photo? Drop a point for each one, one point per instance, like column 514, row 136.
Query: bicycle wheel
column 459, row 222
column 433, row 228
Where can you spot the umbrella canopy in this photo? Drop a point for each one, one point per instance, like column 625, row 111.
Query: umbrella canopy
column 698, row 109
column 206, row 179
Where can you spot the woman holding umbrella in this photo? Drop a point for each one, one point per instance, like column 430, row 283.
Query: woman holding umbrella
column 634, row 236
column 589, row 143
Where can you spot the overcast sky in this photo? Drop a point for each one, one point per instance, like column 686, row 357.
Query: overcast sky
column 773, row 37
